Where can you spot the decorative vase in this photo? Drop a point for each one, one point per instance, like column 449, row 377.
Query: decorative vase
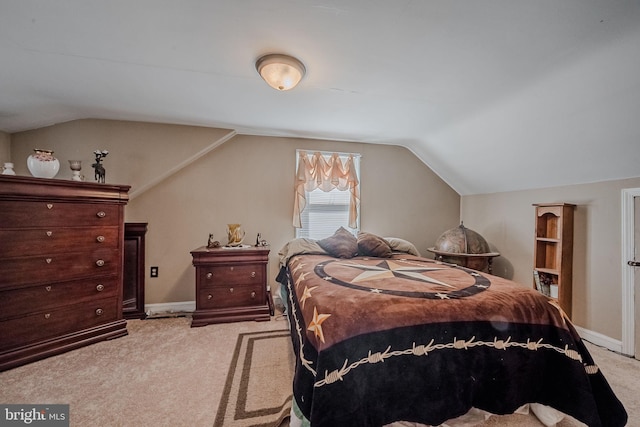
column 235, row 234
column 42, row 164
column 8, row 169
column 76, row 167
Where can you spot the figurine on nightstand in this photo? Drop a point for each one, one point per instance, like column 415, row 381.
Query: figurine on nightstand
column 260, row 241
column 212, row 243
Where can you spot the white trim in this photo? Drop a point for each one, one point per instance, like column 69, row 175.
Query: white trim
column 599, row 339
column 628, row 273
column 170, row 308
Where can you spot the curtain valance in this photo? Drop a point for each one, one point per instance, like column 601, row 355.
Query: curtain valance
column 316, row 171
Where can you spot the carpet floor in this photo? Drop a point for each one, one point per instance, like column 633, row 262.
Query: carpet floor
column 165, row 373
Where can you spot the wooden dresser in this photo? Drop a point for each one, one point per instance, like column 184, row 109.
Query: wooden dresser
column 231, row 285
column 61, row 257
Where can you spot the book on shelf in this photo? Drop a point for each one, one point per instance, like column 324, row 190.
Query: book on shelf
column 536, row 278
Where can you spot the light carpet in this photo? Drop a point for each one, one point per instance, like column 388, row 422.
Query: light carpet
column 165, row 373
column 258, row 387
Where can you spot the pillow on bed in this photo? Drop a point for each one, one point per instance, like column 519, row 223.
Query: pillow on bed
column 401, row 245
column 342, row 244
column 372, row 245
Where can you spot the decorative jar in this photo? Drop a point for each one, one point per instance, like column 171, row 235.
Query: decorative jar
column 42, row 164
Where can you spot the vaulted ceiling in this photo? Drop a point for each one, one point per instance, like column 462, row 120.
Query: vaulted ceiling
column 493, row 95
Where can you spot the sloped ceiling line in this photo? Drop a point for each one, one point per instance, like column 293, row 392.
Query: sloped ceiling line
column 138, row 191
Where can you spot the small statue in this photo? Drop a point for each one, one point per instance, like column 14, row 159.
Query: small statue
column 212, row 243
column 100, row 171
column 260, row 241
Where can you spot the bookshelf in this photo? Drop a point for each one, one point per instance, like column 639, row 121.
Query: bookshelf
column 553, row 251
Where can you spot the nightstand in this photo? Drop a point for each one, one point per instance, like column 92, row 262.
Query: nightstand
column 231, row 284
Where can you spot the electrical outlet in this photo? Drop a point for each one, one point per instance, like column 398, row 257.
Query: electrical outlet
column 154, row 272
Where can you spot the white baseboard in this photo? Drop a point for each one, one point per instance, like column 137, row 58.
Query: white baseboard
column 170, row 308
column 600, row 339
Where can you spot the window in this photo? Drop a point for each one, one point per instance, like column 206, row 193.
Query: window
column 327, row 193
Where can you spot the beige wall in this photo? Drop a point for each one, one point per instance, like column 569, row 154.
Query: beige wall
column 5, row 148
column 506, row 220
column 248, row 179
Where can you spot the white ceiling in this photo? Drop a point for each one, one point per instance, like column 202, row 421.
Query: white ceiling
column 493, row 95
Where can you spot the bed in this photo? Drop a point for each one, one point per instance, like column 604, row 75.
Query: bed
column 382, row 335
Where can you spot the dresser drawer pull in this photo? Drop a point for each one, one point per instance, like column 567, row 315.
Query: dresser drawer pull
column 253, row 295
column 100, row 288
column 49, row 233
column 100, row 239
column 253, row 274
column 48, row 288
column 231, row 290
column 99, row 312
column 49, row 206
column 46, row 316
column 209, row 275
column 100, row 262
column 101, row 214
column 209, row 296
column 48, row 260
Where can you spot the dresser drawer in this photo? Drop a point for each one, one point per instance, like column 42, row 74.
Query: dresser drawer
column 42, row 241
column 230, row 296
column 17, row 302
column 50, row 324
column 239, row 274
column 58, row 214
column 59, row 267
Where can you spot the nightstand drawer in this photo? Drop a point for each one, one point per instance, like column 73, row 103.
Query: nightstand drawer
column 240, row 274
column 230, row 296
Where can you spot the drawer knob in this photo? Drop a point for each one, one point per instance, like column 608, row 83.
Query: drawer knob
column 48, row 288
column 101, row 214
column 209, row 296
column 99, row 312
column 49, row 233
column 49, row 206
column 100, row 262
column 100, row 288
column 209, row 275
column 253, row 274
column 100, row 239
column 48, row 260
column 253, row 295
column 231, row 268
column 48, row 315
column 231, row 290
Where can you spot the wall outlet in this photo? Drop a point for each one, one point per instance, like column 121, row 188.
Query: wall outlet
column 154, row 272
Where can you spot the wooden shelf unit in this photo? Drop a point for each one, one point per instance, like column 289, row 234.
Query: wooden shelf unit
column 553, row 250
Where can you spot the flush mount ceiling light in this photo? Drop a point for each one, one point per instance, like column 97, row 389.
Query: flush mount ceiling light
column 281, row 72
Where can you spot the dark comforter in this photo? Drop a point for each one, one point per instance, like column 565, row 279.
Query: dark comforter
column 379, row 340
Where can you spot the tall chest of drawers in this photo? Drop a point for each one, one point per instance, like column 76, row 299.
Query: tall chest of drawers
column 61, row 266
column 231, row 285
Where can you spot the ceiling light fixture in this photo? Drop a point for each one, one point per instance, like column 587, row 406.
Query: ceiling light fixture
column 281, row 72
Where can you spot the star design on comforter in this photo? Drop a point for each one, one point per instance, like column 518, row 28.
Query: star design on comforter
column 387, row 269
column 316, row 323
